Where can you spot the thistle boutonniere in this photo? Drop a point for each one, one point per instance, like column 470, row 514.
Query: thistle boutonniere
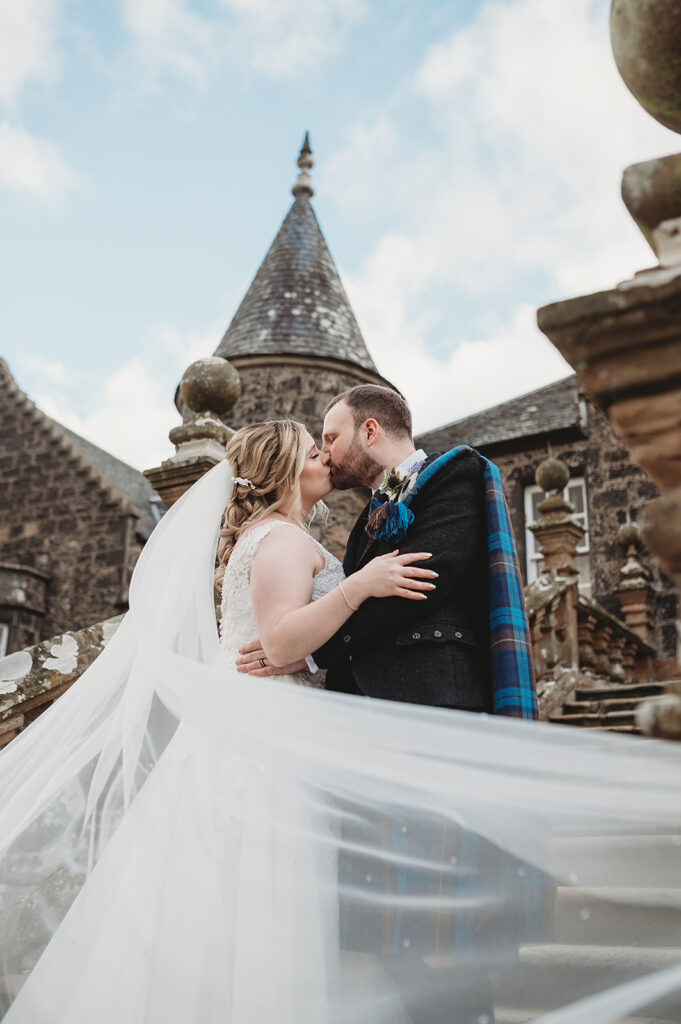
column 397, row 485
column 389, row 518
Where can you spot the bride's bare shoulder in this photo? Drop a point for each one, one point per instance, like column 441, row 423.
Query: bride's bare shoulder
column 286, row 546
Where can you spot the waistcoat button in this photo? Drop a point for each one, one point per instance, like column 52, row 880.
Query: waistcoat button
column 437, row 634
column 416, row 636
column 458, row 635
column 347, row 639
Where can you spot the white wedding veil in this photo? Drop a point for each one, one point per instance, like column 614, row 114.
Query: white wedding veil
column 181, row 843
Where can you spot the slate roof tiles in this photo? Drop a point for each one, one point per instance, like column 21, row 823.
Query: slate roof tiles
column 296, row 303
column 553, row 407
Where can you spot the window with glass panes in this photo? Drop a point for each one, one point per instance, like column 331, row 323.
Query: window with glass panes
column 575, row 492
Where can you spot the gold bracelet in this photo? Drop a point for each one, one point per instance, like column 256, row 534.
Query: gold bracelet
column 342, row 589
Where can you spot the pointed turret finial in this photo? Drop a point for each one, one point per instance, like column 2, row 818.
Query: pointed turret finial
column 303, row 186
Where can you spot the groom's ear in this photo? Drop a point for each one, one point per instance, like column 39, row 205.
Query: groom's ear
column 371, row 431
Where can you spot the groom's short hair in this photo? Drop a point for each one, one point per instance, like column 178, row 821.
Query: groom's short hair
column 370, row 401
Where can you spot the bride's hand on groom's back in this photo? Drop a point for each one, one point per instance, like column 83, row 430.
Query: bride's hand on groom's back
column 254, row 662
column 395, row 575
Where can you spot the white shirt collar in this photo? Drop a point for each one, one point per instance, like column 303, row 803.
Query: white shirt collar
column 411, row 460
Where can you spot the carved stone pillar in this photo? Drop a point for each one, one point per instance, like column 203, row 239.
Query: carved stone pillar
column 617, row 646
column 602, row 650
column 557, row 533
column 635, row 593
column 629, row 663
column 587, row 655
column 210, row 388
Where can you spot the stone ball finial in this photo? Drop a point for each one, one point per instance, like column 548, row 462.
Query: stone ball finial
column 646, row 43
column 210, row 385
column 628, row 536
column 552, row 476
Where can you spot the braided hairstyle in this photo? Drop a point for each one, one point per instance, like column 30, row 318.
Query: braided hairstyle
column 272, row 456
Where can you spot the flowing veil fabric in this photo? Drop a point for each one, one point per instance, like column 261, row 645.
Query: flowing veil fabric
column 181, row 843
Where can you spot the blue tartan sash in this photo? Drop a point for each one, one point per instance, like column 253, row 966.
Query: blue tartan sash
column 513, row 684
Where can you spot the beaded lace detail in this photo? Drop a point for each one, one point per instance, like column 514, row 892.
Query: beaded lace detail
column 237, row 621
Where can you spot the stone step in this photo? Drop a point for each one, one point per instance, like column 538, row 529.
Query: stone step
column 601, row 706
column 635, row 690
column 605, row 916
column 551, row 976
column 630, row 730
column 589, row 719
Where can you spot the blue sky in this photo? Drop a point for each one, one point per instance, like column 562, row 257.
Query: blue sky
column 468, row 157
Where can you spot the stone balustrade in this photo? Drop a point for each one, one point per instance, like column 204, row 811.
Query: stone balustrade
column 576, row 643
column 30, row 680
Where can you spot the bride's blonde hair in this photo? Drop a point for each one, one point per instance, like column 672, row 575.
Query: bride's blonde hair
column 271, row 456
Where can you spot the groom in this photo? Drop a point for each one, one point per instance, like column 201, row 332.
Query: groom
column 438, row 653
column 435, row 653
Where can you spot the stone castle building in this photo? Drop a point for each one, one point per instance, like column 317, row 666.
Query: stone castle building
column 75, row 518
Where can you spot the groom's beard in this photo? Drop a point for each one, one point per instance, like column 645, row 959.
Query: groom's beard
column 357, row 469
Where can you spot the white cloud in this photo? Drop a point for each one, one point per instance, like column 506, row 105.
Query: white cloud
column 285, row 37
column 26, row 44
column 538, row 124
column 510, row 359
column 130, row 412
column 277, row 38
column 28, row 163
column 33, row 165
column 170, row 38
column 528, row 129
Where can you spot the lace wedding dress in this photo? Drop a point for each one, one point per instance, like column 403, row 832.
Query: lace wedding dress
column 237, row 622
column 183, row 843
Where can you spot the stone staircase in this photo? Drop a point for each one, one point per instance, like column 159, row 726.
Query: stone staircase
column 607, row 932
column 607, row 707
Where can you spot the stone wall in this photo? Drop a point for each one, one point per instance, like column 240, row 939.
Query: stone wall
column 61, row 519
column 616, row 488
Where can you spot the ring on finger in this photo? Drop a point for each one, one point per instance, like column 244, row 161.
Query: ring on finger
column 263, row 663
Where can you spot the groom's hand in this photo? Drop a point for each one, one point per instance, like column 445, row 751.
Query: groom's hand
column 254, row 662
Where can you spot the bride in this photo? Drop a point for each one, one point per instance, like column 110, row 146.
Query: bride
column 181, row 843
column 281, row 585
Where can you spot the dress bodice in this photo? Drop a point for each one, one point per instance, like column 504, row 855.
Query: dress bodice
column 237, row 621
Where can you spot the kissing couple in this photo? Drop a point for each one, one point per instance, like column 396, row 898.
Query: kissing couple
column 366, row 622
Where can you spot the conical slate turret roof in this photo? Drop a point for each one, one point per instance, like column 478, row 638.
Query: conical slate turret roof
column 296, row 304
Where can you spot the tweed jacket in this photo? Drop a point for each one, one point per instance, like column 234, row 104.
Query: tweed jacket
column 433, row 652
